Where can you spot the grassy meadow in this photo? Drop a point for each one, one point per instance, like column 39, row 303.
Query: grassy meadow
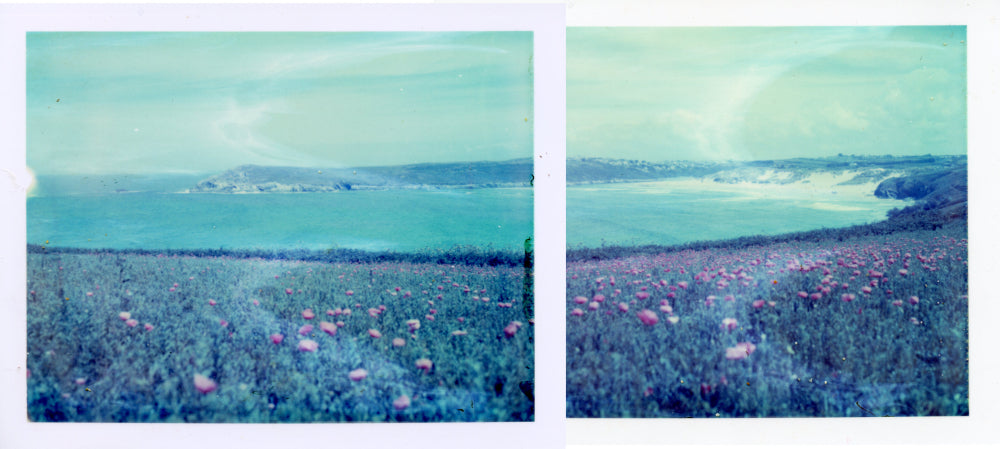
column 125, row 337
column 867, row 325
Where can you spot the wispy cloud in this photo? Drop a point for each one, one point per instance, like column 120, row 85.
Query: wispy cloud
column 209, row 101
column 731, row 92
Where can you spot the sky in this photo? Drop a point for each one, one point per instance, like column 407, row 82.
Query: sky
column 117, row 102
column 757, row 93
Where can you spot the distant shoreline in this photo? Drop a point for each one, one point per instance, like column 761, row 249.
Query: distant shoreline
column 915, row 222
column 458, row 255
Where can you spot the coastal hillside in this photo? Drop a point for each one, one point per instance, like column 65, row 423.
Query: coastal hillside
column 848, row 170
column 259, row 179
column 943, row 192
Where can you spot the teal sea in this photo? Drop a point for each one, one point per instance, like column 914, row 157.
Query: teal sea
column 397, row 220
column 675, row 212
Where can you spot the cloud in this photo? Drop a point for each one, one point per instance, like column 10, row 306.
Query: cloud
column 237, row 128
column 209, row 101
column 754, row 92
column 843, row 118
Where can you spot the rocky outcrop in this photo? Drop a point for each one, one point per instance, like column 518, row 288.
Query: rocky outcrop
column 942, row 191
column 466, row 175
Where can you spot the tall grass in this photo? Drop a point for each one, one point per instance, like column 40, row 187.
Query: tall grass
column 843, row 351
column 87, row 364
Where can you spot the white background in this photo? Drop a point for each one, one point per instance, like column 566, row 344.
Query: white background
column 983, row 37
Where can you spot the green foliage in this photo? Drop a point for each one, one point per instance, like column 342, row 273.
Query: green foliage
column 915, row 219
column 457, row 255
column 825, row 357
column 130, row 374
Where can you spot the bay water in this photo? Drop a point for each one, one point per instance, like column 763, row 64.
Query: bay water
column 393, row 220
column 688, row 210
column 153, row 214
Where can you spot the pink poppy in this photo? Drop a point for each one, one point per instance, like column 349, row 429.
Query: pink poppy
column 740, row 351
column 598, row 298
column 914, row 300
column 277, row 338
column 580, row 300
column 308, row 345
column 648, row 317
column 357, row 374
column 305, row 329
column 425, row 364
column 328, row 327
column 223, row 323
column 623, row 307
column 642, row 295
column 401, row 403
column 374, row 333
column 576, row 312
column 124, row 316
column 204, row 384
column 308, row 314
column 459, row 333
column 398, row 342
column 510, row 330
column 148, row 327
column 349, row 292
column 131, row 322
column 211, row 302
column 673, row 319
column 288, row 291
column 758, row 303
column 729, row 324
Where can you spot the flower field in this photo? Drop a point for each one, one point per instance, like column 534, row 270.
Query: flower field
column 862, row 326
column 147, row 338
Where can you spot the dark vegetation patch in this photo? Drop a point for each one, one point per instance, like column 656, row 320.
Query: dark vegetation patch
column 458, row 255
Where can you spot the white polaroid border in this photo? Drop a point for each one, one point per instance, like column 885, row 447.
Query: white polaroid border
column 983, row 37
column 547, row 22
